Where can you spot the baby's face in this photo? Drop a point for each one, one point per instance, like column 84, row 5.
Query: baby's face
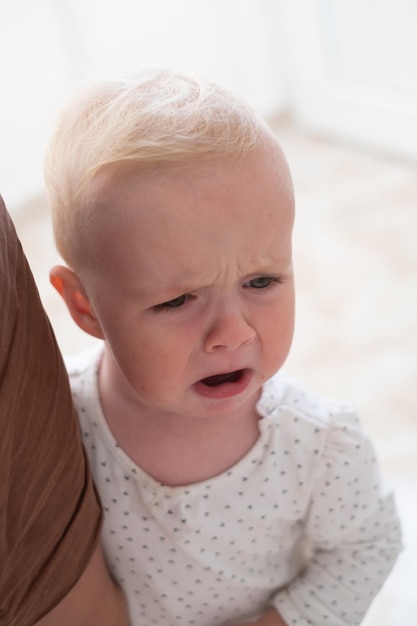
column 194, row 288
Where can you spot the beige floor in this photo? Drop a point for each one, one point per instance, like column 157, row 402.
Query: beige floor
column 356, row 334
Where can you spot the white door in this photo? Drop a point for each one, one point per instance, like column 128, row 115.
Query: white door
column 352, row 70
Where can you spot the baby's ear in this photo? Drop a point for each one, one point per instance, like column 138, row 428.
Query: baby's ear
column 68, row 285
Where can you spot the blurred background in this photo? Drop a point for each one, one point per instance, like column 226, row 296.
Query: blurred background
column 337, row 81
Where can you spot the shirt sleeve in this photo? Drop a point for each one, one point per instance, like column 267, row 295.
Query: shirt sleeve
column 353, row 532
column 49, row 513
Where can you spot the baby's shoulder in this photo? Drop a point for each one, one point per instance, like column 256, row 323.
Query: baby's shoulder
column 286, row 397
column 82, row 371
column 327, row 430
column 78, row 364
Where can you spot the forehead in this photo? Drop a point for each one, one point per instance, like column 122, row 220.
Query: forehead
column 132, row 192
column 184, row 214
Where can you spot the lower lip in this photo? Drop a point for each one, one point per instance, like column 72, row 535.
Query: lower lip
column 226, row 390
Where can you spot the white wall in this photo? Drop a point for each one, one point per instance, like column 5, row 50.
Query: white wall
column 33, row 74
column 353, row 68
column 47, row 46
column 346, row 68
column 231, row 40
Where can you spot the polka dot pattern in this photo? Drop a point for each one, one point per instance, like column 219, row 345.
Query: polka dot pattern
column 303, row 520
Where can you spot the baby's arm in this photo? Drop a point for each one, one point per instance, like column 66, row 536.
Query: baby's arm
column 354, row 532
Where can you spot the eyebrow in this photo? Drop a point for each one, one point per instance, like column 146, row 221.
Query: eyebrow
column 164, row 294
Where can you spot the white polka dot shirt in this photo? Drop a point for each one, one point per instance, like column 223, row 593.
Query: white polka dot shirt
column 303, row 522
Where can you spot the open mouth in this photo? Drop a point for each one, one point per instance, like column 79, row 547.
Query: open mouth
column 221, row 379
column 226, row 385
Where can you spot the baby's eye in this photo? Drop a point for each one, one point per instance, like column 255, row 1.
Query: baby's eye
column 175, row 303
column 261, row 282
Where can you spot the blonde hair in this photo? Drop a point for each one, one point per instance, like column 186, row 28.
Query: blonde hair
column 160, row 117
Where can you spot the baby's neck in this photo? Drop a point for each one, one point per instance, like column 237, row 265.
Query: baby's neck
column 176, row 459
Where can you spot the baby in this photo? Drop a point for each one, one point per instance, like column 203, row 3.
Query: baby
column 231, row 493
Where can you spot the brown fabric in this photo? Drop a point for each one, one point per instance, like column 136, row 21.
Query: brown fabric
column 49, row 513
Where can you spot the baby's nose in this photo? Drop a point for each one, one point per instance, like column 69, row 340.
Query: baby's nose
column 229, row 330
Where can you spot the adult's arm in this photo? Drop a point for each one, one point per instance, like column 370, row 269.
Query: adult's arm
column 94, row 600
column 50, row 516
